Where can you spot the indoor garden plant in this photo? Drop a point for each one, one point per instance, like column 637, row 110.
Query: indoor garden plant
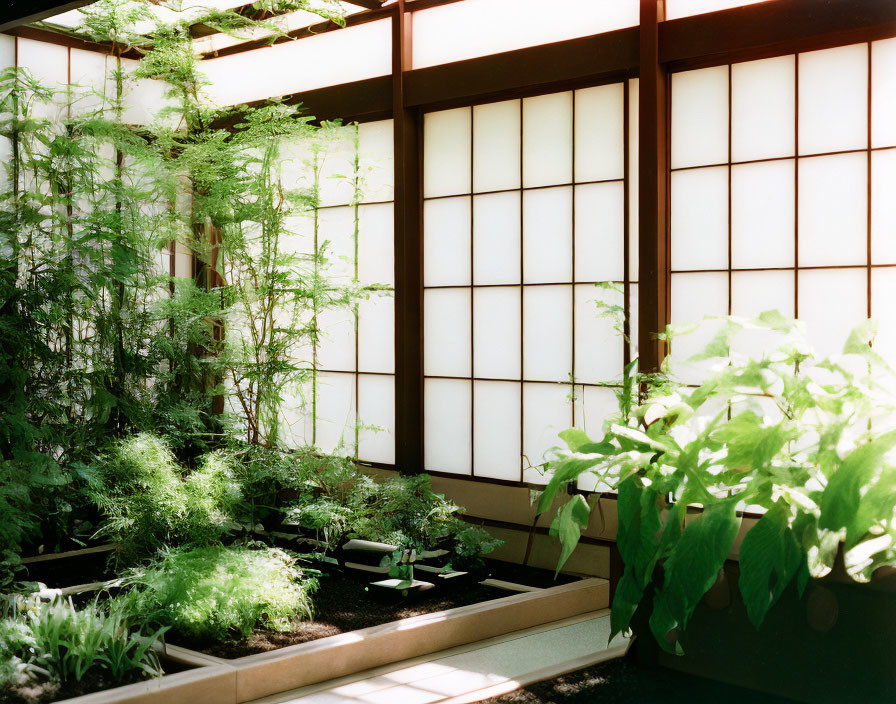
column 803, row 440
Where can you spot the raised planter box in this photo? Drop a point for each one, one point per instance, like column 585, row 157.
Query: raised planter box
column 218, row 681
column 836, row 644
column 211, row 684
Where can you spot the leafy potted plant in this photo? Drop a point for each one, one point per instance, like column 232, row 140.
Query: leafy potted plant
column 804, row 440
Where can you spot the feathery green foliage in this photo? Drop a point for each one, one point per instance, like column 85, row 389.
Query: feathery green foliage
column 337, row 503
column 215, row 593
column 150, row 500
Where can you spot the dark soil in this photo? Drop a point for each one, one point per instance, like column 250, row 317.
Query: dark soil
column 342, row 605
column 69, row 571
column 624, row 682
column 43, row 692
column 522, row 574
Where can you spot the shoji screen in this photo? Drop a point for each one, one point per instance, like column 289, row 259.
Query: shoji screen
column 686, row 8
column 463, row 30
column 349, row 405
column 773, row 163
column 331, row 58
column 524, row 211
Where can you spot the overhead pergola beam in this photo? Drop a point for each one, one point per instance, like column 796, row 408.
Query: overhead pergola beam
column 18, row 12
column 366, row 4
column 767, row 29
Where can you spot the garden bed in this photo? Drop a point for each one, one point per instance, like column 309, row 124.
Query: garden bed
column 342, row 605
column 218, row 681
column 60, row 570
column 94, row 683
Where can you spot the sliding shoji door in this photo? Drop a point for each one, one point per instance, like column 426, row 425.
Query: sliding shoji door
column 524, row 211
column 783, row 174
column 348, row 406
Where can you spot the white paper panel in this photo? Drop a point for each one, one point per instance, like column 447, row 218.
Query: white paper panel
column 592, row 406
column 883, row 93
column 833, row 112
column 376, row 160
column 446, row 242
column 5, row 163
column 695, row 296
column 762, row 215
column 376, row 255
column 700, row 117
column 754, row 292
column 831, row 303
column 183, row 261
column 7, row 51
column 633, row 87
column 496, row 146
column 883, row 310
column 298, row 235
column 336, row 417
column 337, row 167
column 336, row 227
column 144, row 101
column 47, row 64
column 296, row 421
column 599, row 133
column 496, row 430
column 600, row 232
column 298, row 164
column 547, row 140
column 496, row 333
column 763, row 100
column 376, row 413
column 547, row 411
column 833, row 210
column 446, row 332
column 686, row 8
column 547, row 235
column 700, row 219
column 496, row 238
column 467, row 29
column 447, row 425
column 329, row 59
column 547, row 333
column 376, row 334
column 883, row 207
column 89, row 81
column 336, row 347
column 447, row 162
column 598, row 346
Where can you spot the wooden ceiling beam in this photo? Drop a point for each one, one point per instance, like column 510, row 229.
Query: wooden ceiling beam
column 18, row 12
column 366, row 4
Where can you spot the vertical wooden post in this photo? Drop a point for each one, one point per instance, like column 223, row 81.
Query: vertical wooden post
column 408, row 257
column 653, row 189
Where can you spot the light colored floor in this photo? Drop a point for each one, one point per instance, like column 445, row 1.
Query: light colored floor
column 475, row 671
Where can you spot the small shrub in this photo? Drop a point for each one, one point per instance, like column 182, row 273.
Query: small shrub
column 215, row 593
column 151, row 501
column 339, row 502
column 808, row 439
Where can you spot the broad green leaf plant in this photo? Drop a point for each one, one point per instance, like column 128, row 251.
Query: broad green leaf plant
column 806, row 441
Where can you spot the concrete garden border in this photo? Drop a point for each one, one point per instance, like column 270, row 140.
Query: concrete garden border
column 219, row 681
